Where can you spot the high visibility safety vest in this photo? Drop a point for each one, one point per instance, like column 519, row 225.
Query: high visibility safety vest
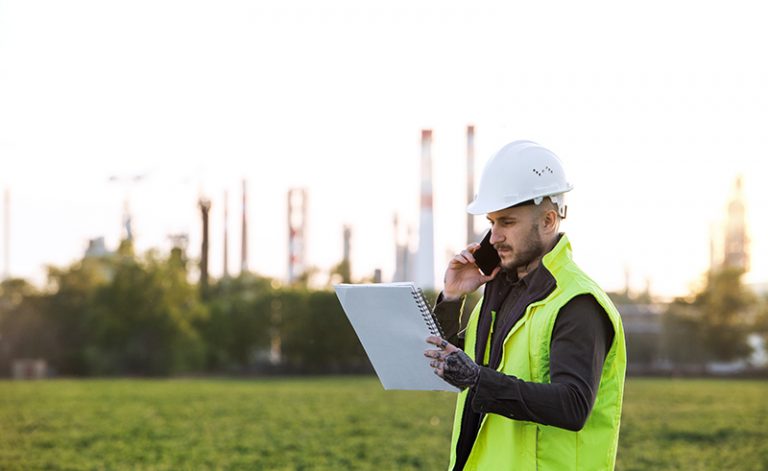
column 503, row 443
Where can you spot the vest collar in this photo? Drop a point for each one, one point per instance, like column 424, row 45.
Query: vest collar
column 559, row 256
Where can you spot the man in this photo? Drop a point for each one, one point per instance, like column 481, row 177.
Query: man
column 543, row 360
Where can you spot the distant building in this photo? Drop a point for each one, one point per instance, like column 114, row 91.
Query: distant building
column 96, row 248
column 29, row 368
column 643, row 331
column 404, row 257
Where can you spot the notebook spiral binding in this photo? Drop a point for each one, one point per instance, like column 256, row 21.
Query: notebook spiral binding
column 426, row 312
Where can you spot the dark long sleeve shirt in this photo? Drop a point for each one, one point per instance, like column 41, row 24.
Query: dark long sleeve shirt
column 581, row 338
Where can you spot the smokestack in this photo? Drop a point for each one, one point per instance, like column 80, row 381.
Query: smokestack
column 425, row 268
column 396, row 276
column 205, row 207
column 346, row 261
column 297, row 218
column 470, row 182
column 347, row 238
column 7, row 235
column 244, row 247
column 226, row 235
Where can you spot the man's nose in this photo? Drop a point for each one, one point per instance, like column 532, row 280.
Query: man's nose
column 496, row 237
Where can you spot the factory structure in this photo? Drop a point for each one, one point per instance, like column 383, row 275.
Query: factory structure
column 642, row 316
column 425, row 257
column 413, row 247
column 297, row 227
column 729, row 246
column 644, row 319
column 409, row 265
column 419, row 266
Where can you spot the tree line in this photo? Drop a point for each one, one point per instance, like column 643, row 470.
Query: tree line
column 123, row 314
column 716, row 321
column 718, row 324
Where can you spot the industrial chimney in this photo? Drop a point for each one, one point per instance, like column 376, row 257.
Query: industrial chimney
column 225, row 273
column 205, row 207
column 470, row 182
column 244, row 246
column 425, row 259
column 346, row 261
column 297, row 219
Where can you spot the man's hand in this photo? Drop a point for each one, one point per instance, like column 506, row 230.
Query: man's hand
column 463, row 276
column 452, row 364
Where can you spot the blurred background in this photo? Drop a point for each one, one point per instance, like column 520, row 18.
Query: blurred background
column 182, row 183
column 307, row 144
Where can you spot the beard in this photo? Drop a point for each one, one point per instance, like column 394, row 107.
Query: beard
column 531, row 248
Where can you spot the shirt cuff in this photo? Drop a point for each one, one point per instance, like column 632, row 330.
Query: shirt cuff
column 454, row 302
column 497, row 393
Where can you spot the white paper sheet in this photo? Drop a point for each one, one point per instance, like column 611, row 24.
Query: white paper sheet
column 389, row 324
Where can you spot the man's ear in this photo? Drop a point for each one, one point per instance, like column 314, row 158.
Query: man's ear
column 549, row 221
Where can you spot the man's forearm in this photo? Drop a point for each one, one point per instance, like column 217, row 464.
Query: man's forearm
column 559, row 404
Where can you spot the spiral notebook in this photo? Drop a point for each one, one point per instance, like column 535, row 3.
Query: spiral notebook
column 392, row 321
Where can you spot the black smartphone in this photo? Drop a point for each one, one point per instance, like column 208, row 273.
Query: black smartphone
column 486, row 257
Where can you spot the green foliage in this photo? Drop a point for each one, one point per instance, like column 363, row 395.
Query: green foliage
column 725, row 306
column 22, row 326
column 125, row 315
column 108, row 315
column 316, row 336
column 340, row 423
column 682, row 342
column 256, row 325
column 237, row 330
column 714, row 324
column 144, row 320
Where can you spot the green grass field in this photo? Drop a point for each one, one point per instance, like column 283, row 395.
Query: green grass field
column 339, row 423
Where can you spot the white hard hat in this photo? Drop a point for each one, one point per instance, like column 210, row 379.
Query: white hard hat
column 520, row 171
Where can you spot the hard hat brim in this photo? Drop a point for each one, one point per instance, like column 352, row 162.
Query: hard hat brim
column 479, row 207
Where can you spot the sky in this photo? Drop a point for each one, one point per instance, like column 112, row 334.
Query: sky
column 654, row 108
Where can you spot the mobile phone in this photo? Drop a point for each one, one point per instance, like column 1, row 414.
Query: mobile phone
column 486, row 257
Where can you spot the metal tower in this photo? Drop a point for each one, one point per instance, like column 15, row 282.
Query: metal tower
column 736, row 247
column 425, row 258
column 244, row 246
column 297, row 219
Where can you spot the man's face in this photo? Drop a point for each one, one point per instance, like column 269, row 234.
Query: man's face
column 515, row 236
